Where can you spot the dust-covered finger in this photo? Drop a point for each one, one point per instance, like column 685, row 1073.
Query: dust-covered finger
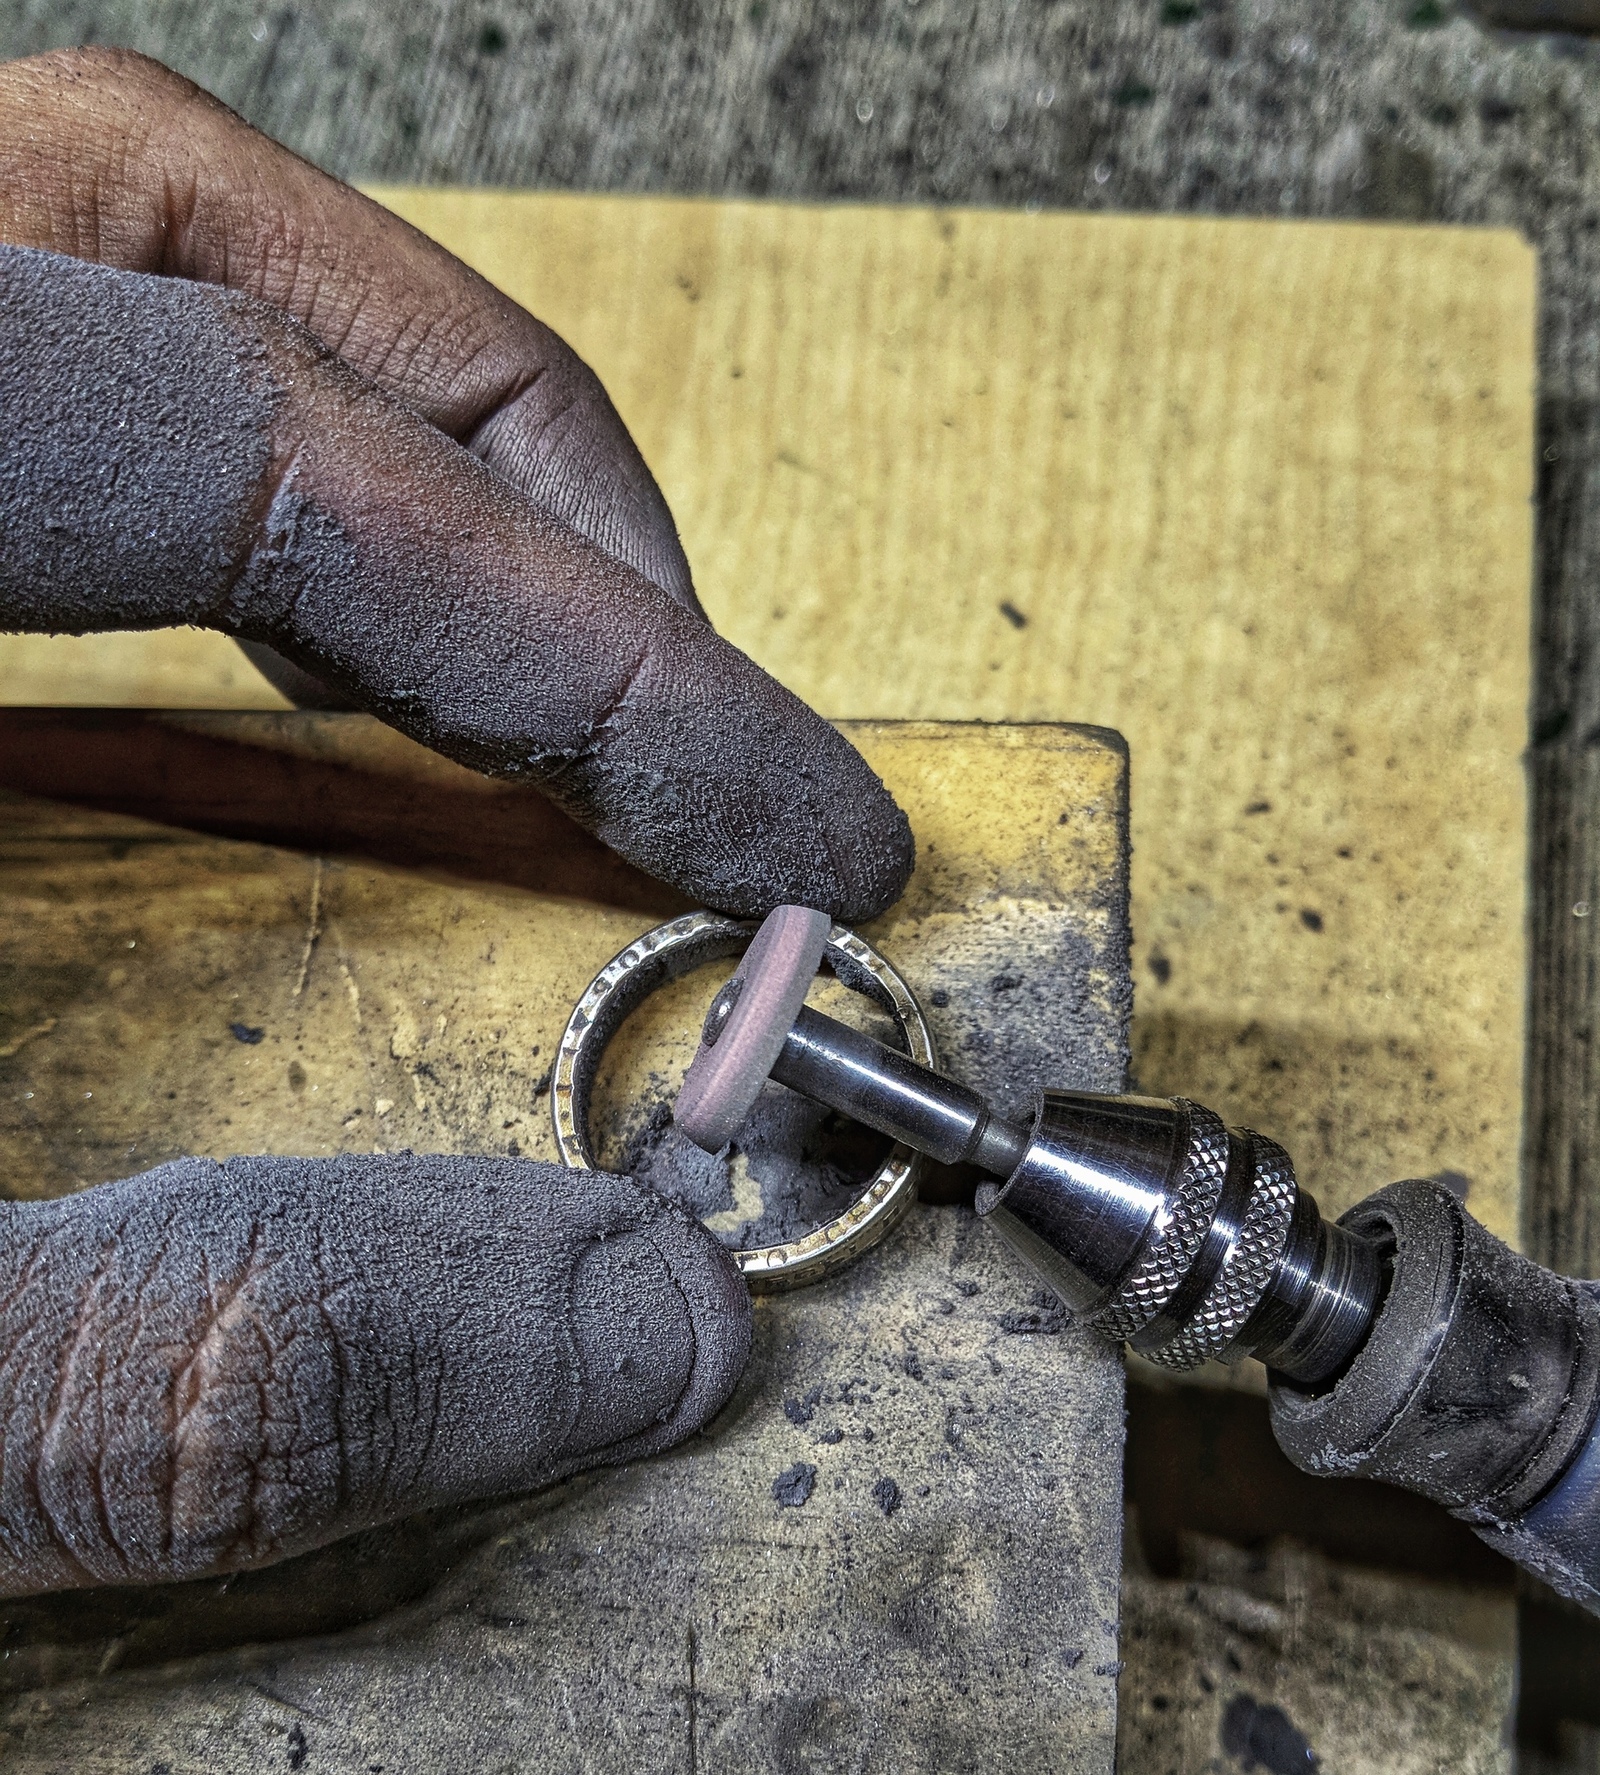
column 210, row 1367
column 175, row 453
column 107, row 155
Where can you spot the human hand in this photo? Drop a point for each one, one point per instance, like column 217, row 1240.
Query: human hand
column 238, row 394
column 446, row 522
column 210, row 1367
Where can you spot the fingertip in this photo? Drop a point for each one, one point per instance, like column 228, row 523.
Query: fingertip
column 395, row 568
column 712, row 776
column 703, row 1285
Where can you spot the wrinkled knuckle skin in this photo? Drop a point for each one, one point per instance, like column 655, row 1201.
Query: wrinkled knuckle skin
column 210, row 1367
column 167, row 1403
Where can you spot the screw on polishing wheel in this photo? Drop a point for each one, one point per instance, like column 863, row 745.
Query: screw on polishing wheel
column 747, row 1024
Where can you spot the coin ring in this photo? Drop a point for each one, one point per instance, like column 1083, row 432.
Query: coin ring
column 676, row 948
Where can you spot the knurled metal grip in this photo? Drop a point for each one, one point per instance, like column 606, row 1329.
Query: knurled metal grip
column 1249, row 1262
column 1161, row 1228
column 1180, row 1228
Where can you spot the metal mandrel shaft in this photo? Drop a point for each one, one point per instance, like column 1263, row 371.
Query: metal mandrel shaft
column 1153, row 1223
column 887, row 1090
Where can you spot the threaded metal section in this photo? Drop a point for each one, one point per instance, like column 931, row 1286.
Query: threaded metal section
column 1165, row 1263
column 1248, row 1269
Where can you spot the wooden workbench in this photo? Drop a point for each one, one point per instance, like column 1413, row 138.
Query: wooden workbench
column 396, row 973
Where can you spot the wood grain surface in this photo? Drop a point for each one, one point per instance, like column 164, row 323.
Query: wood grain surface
column 1323, row 1642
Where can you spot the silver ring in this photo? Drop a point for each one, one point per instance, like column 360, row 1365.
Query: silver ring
column 673, row 949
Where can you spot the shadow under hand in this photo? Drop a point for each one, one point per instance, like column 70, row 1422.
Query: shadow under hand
column 325, row 783
column 76, row 1634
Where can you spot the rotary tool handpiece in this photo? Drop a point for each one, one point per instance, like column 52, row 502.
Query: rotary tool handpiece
column 1403, row 1342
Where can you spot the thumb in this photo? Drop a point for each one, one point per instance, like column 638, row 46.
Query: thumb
column 210, row 1367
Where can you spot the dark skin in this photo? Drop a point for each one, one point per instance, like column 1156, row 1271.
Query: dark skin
column 414, row 493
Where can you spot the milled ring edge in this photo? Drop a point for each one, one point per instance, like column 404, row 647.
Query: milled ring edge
column 695, row 938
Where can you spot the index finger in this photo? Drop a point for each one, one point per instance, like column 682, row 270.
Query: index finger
column 174, row 453
column 107, row 155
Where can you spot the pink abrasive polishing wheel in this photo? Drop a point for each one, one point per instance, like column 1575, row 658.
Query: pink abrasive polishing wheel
column 748, row 1022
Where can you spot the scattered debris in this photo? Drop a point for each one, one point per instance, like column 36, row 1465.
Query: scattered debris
column 793, row 1486
column 886, row 1495
column 1266, row 1738
column 801, row 1411
column 1043, row 1319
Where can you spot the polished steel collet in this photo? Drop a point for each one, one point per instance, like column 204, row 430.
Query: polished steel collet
column 1153, row 1223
